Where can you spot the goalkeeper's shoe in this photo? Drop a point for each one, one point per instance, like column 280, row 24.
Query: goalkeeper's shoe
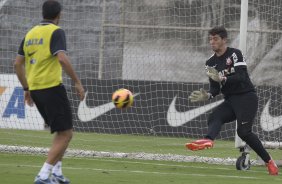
column 272, row 167
column 50, row 180
column 200, row 144
column 61, row 179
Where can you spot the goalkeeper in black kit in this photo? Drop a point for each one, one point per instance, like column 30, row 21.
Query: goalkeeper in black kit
column 227, row 72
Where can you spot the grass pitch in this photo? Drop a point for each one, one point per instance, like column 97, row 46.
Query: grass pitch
column 15, row 168
column 21, row 168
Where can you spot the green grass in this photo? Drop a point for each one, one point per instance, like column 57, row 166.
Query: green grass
column 22, row 169
column 121, row 143
column 19, row 168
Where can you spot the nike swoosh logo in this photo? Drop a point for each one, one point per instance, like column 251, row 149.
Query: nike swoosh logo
column 85, row 113
column 268, row 122
column 176, row 118
column 30, row 54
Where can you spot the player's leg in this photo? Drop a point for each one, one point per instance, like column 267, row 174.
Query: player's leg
column 44, row 173
column 55, row 155
column 223, row 113
column 59, row 145
column 57, row 109
column 245, row 108
column 58, row 174
column 220, row 115
column 63, row 128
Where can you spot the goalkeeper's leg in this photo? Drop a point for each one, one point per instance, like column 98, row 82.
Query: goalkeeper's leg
column 245, row 108
column 246, row 134
column 221, row 114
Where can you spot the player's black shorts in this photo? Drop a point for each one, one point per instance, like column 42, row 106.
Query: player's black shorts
column 242, row 107
column 54, row 107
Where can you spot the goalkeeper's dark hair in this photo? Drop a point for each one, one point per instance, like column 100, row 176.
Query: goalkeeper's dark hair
column 51, row 9
column 219, row 30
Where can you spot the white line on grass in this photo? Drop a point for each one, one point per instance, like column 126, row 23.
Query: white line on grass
column 146, row 172
column 131, row 161
column 169, row 165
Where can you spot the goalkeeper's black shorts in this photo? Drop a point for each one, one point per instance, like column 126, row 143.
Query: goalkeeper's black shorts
column 54, row 107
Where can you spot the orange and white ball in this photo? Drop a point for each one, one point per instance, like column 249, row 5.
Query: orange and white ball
column 122, row 98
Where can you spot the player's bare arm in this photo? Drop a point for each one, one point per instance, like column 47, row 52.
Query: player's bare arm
column 20, row 71
column 66, row 65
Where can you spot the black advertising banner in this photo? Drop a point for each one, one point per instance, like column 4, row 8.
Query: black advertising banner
column 162, row 108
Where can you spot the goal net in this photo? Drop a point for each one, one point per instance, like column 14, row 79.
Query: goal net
column 156, row 49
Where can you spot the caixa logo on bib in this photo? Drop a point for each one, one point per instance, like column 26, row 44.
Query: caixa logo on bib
column 13, row 111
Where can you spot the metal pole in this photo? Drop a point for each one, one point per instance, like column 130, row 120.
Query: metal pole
column 239, row 143
column 101, row 48
column 243, row 26
column 221, row 13
column 122, row 35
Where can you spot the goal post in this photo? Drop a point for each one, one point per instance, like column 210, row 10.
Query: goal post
column 156, row 49
column 243, row 47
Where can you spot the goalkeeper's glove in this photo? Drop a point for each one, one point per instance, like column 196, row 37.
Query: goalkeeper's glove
column 199, row 96
column 215, row 75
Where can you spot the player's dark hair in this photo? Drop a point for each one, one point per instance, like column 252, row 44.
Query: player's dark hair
column 220, row 30
column 51, row 9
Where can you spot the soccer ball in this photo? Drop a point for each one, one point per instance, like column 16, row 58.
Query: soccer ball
column 122, row 98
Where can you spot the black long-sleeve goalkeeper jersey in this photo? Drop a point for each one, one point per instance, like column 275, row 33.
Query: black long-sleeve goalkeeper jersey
column 232, row 65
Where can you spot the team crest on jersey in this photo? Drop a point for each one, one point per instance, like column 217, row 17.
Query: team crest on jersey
column 228, row 61
column 32, row 61
column 235, row 58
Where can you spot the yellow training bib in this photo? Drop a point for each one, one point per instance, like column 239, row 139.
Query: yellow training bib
column 43, row 70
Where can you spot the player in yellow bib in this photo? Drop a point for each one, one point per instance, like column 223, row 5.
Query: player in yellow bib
column 43, row 70
column 41, row 58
